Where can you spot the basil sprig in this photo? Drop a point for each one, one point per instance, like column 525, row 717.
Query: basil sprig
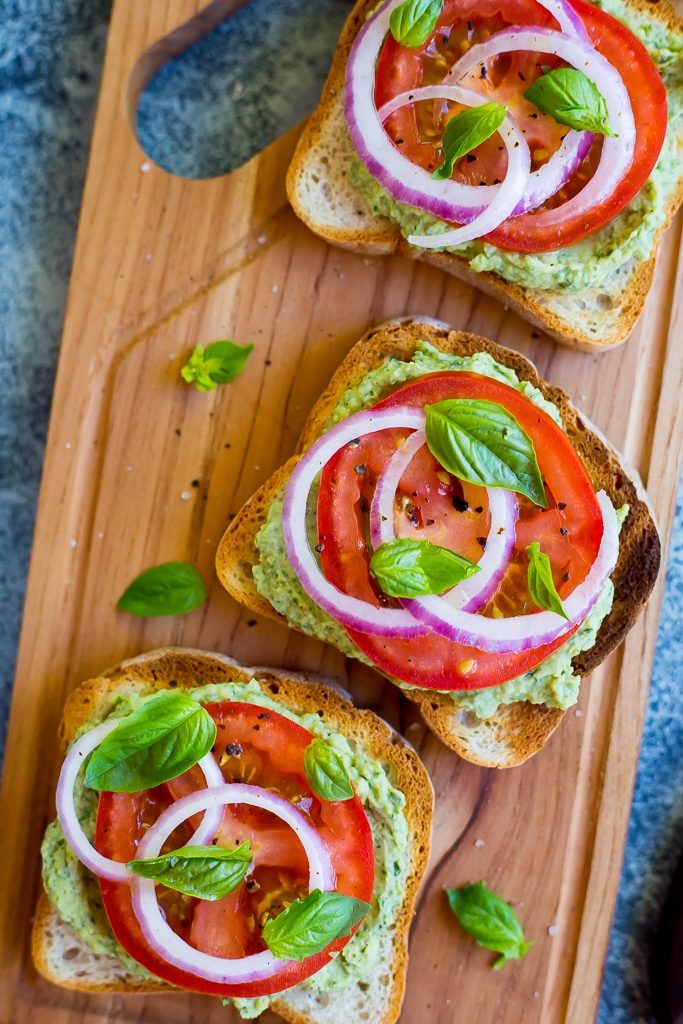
column 219, row 363
column 326, row 772
column 465, row 132
column 541, row 583
column 156, row 743
column 413, row 22
column 411, row 568
column 308, row 925
column 571, row 98
column 481, row 442
column 489, row 920
column 206, row 872
column 173, row 588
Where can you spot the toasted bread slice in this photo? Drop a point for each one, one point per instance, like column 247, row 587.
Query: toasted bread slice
column 61, row 957
column 323, row 197
column 518, row 730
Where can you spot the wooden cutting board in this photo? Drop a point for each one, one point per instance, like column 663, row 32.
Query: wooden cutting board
column 141, row 468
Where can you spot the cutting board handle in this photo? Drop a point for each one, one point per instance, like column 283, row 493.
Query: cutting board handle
column 176, row 26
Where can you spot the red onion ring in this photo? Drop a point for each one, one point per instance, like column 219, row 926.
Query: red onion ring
column 351, row 611
column 161, row 937
column 406, row 182
column 541, row 184
column 617, row 152
column 104, row 867
column 473, row 593
column 522, row 632
column 507, row 196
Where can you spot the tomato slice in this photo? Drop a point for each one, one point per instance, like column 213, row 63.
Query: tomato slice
column 435, row 506
column 417, row 130
column 263, row 748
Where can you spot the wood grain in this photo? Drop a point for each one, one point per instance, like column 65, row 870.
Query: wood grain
column 140, row 468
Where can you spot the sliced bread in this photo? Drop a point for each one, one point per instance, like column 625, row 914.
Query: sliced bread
column 62, row 957
column 517, row 730
column 323, row 196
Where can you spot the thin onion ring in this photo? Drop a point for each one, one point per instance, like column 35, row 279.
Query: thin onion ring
column 105, row 867
column 473, row 593
column 351, row 611
column 523, row 632
column 161, row 937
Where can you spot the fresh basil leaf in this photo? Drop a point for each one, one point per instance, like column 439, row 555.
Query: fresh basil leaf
column 206, row 872
column 465, row 132
column 570, row 97
column 413, row 22
column 481, row 442
column 156, row 743
column 173, row 588
column 541, row 583
column 410, row 568
column 326, row 772
column 220, row 363
column 308, row 925
column 489, row 920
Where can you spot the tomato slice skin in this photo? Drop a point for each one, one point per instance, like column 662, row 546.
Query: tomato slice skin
column 271, row 755
column 400, row 69
column 432, row 662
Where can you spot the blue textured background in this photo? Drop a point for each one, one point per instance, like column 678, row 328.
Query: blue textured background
column 203, row 114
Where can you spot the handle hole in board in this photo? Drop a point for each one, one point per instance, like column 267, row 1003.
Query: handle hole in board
column 209, row 109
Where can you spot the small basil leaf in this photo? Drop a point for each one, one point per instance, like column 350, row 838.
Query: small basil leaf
column 413, row 22
column 308, row 925
column 465, row 132
column 173, row 588
column 571, row 98
column 541, row 583
column 326, row 772
column 481, row 442
column 206, row 872
column 219, row 363
column 156, row 743
column 410, row 568
column 489, row 920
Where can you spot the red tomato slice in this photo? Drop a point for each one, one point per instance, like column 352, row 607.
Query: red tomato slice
column 265, row 749
column 417, row 130
column 431, row 503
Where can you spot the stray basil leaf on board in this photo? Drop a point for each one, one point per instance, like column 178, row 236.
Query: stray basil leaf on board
column 410, row 568
column 219, row 363
column 490, row 921
column 156, row 743
column 173, row 588
column 481, row 442
column 205, row 872
column 308, row 925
